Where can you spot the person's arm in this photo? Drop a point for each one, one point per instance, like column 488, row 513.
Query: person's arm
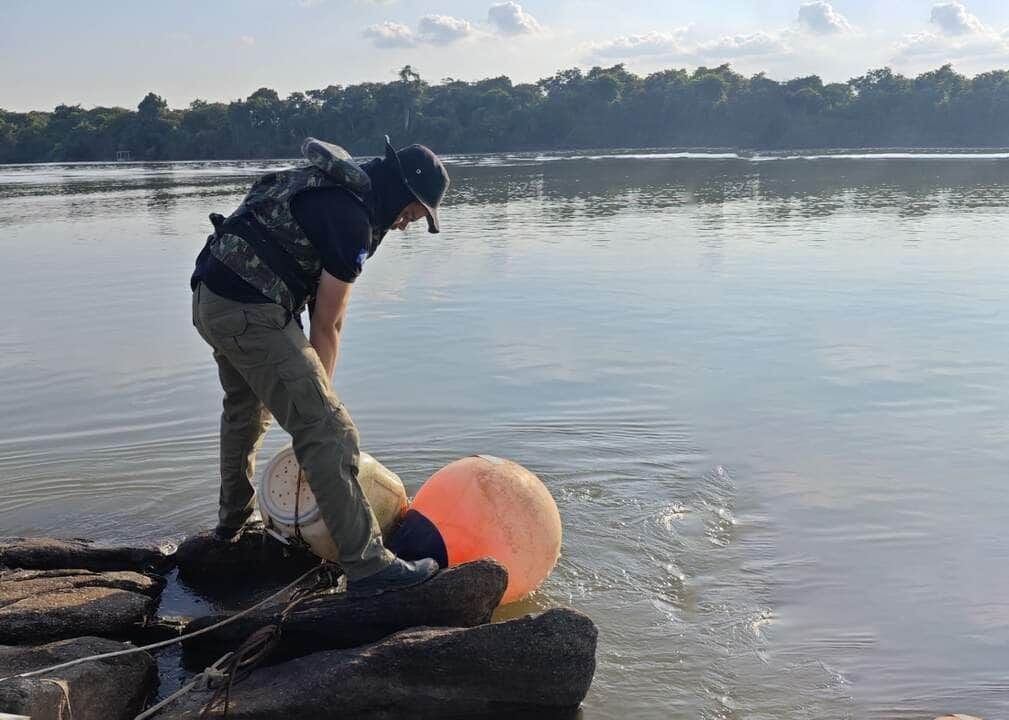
column 327, row 321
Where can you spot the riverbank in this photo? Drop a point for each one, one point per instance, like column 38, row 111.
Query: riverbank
column 429, row 651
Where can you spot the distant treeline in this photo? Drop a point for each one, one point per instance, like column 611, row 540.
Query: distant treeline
column 604, row 107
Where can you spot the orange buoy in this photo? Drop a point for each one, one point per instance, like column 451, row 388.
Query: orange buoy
column 484, row 506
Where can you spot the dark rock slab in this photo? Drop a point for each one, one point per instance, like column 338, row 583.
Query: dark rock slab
column 55, row 554
column 505, row 670
column 98, row 690
column 461, row 596
column 254, row 559
column 41, row 605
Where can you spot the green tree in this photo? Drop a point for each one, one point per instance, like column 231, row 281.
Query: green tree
column 601, row 107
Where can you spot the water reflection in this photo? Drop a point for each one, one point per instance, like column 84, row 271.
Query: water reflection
column 818, row 187
column 808, row 189
column 590, row 188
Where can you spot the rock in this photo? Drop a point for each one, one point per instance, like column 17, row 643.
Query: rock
column 40, row 605
column 97, row 690
column 504, row 669
column 54, row 554
column 158, row 630
column 958, row 717
column 462, row 596
column 255, row 559
column 19, row 584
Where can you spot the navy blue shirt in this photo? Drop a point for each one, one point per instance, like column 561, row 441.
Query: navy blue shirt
column 337, row 226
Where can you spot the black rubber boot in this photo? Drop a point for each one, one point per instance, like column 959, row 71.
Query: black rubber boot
column 225, row 534
column 397, row 576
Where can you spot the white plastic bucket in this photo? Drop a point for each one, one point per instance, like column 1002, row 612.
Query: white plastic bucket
column 279, row 500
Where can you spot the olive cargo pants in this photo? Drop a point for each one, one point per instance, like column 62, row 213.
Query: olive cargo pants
column 267, row 366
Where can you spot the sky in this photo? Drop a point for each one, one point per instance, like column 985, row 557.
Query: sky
column 102, row 52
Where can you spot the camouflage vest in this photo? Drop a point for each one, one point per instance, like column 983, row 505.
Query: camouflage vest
column 263, row 243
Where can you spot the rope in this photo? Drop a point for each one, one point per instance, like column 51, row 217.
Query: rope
column 258, row 646
column 172, row 641
column 297, row 505
column 62, row 685
column 240, row 663
column 203, row 680
column 243, row 661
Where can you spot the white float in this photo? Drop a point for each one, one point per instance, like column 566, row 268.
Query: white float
column 289, row 510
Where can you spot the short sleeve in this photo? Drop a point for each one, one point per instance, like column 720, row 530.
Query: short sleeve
column 338, row 227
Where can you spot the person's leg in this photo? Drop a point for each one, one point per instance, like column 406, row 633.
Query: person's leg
column 244, row 419
column 275, row 360
column 244, row 423
column 327, row 447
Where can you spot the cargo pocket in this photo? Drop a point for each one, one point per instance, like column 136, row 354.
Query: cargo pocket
column 268, row 315
column 228, row 330
column 226, row 324
column 305, row 393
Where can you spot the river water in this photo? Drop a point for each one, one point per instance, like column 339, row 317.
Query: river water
column 770, row 397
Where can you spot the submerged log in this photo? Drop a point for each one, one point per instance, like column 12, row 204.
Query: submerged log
column 55, row 554
column 462, row 596
column 501, row 669
column 254, row 559
column 99, row 690
column 40, row 605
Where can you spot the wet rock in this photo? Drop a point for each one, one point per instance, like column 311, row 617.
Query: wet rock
column 54, row 554
column 504, row 669
column 462, row 596
column 40, row 605
column 159, row 629
column 98, row 690
column 255, row 559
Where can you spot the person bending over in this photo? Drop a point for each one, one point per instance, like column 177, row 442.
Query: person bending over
column 299, row 239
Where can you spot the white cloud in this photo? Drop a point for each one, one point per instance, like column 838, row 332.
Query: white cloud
column 248, row 40
column 178, row 37
column 944, row 48
column 821, row 18
column 922, row 43
column 732, row 46
column 653, row 43
column 674, row 46
column 431, row 30
column 960, row 35
column 509, row 18
column 444, row 29
column 954, row 19
column 391, row 35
